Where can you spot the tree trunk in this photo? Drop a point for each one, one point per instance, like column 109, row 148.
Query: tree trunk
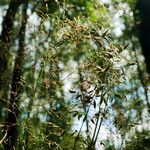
column 13, row 113
column 142, row 19
column 5, row 44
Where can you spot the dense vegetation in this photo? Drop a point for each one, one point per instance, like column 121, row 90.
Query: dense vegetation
column 72, row 75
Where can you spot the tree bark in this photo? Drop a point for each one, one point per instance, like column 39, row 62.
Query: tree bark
column 5, row 44
column 142, row 19
column 13, row 113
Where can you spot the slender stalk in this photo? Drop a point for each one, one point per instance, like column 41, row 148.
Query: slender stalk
column 105, row 110
column 90, row 147
column 99, row 122
column 77, row 137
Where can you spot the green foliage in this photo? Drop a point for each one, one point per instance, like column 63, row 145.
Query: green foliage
column 74, row 73
column 4, row 2
column 140, row 140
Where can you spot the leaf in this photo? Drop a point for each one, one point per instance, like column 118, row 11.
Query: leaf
column 104, row 34
column 118, row 95
column 78, row 96
column 71, row 91
column 135, row 123
column 92, row 121
column 109, row 55
column 91, row 91
column 131, row 63
column 98, row 68
column 105, row 69
column 85, row 141
column 72, row 134
column 102, row 143
column 101, row 101
column 96, row 115
column 75, row 114
column 79, row 116
column 94, row 104
column 115, row 122
column 86, row 100
column 125, row 46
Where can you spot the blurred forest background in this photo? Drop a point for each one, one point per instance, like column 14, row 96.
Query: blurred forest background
column 73, row 75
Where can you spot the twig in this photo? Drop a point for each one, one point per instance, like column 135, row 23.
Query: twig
column 1, row 141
